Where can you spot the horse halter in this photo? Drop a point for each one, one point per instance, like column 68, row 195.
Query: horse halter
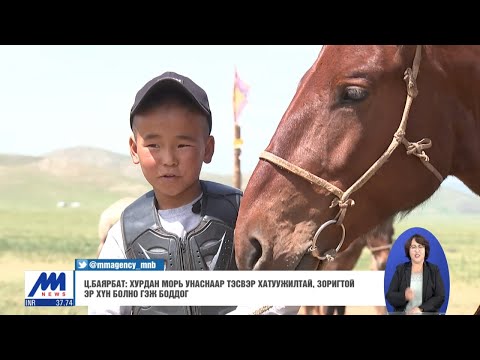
column 343, row 200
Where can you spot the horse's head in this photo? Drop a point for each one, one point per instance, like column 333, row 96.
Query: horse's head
column 347, row 154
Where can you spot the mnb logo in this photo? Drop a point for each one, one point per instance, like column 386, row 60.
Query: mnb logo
column 44, row 287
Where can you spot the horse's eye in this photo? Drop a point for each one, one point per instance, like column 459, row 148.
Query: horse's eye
column 354, row 94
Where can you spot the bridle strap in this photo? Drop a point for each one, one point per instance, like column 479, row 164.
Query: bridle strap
column 343, row 200
column 379, row 248
column 313, row 179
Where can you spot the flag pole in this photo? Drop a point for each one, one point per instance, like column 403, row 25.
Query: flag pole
column 237, row 174
column 240, row 91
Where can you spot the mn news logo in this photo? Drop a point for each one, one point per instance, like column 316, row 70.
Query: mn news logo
column 49, row 288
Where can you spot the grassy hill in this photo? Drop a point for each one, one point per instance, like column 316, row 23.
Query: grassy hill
column 452, row 201
column 16, row 160
column 93, row 177
column 97, row 177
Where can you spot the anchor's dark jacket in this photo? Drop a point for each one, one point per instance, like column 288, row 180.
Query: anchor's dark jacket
column 433, row 291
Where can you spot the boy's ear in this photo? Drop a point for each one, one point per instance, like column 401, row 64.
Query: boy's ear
column 133, row 150
column 209, row 150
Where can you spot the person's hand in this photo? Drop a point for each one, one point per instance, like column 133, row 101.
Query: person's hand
column 408, row 294
column 415, row 310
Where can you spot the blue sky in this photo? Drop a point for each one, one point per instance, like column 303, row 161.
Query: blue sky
column 56, row 97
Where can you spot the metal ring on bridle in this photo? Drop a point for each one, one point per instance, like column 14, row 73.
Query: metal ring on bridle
column 313, row 247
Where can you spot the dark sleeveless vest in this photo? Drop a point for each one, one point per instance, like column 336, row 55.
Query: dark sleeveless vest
column 210, row 243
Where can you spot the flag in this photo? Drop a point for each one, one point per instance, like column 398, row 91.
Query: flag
column 240, row 93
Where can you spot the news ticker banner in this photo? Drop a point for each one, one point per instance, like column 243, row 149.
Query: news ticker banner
column 145, row 283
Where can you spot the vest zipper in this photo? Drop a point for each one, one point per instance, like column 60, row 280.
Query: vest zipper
column 185, row 265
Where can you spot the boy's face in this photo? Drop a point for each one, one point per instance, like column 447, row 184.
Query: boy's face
column 171, row 145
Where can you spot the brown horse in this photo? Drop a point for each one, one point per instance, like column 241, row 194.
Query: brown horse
column 372, row 131
column 378, row 242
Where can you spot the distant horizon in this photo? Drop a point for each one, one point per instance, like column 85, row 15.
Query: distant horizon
column 127, row 156
column 450, row 181
column 66, row 148
column 81, row 95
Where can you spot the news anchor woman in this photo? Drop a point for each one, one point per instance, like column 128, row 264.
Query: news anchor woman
column 416, row 286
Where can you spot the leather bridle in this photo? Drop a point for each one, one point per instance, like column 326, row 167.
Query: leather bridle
column 342, row 198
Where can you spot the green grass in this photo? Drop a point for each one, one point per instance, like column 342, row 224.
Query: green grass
column 57, row 236
column 62, row 235
column 458, row 235
column 36, row 235
column 54, row 234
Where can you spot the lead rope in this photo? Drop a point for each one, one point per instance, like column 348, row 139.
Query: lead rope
column 261, row 310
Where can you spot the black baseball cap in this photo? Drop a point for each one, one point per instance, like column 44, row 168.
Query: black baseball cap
column 170, row 80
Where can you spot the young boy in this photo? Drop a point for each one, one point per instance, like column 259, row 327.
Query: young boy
column 186, row 221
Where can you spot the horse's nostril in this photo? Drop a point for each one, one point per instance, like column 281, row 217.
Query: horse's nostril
column 255, row 253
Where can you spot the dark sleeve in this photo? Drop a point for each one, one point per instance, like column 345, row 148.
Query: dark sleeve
column 435, row 302
column 396, row 295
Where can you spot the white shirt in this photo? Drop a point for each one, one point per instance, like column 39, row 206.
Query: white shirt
column 178, row 221
column 416, row 284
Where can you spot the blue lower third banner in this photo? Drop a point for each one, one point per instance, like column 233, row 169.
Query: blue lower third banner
column 119, row 282
column 120, row 264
